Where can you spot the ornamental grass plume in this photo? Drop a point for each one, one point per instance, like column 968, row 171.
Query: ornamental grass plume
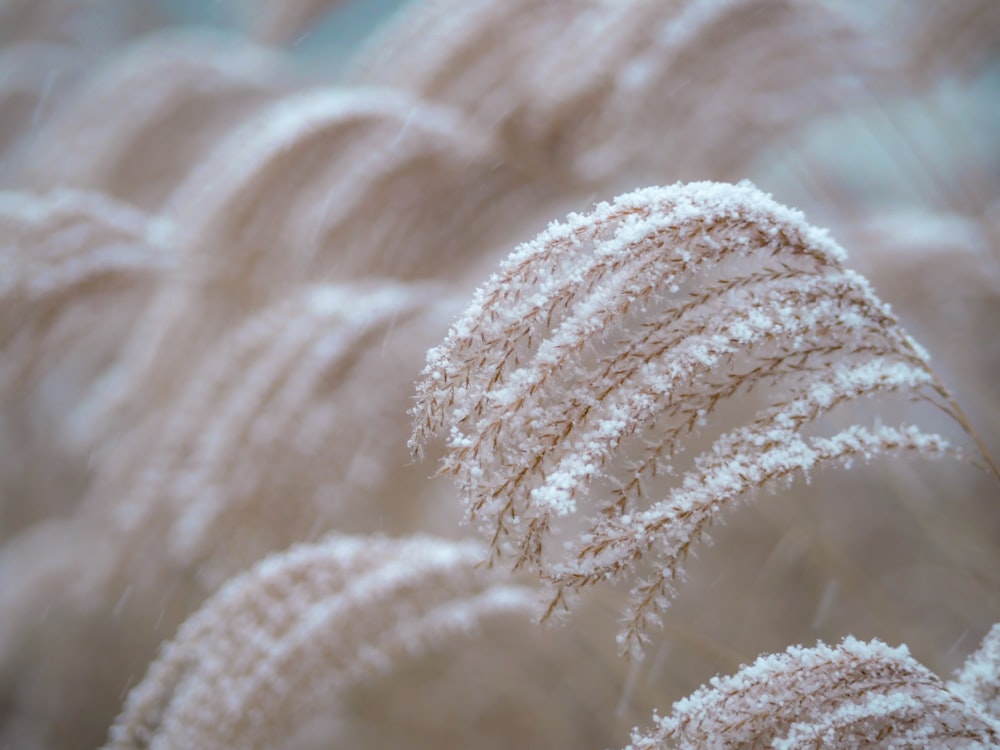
column 231, row 232
column 281, row 22
column 602, row 345
column 277, row 644
column 950, row 38
column 296, row 193
column 220, row 485
column 63, row 253
column 585, row 89
column 71, row 264
column 978, row 681
column 311, row 173
column 172, row 96
column 854, row 694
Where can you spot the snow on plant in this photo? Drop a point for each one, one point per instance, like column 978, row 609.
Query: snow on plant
column 600, row 346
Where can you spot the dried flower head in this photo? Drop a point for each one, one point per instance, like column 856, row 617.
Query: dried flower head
column 581, row 369
column 280, row 643
column 855, row 694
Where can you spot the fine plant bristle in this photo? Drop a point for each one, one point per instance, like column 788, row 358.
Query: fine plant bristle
column 855, row 694
column 978, row 681
column 278, row 644
column 583, row 362
column 238, row 244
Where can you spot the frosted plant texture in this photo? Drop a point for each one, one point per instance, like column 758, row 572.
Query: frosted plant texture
column 499, row 374
column 855, row 694
column 693, row 294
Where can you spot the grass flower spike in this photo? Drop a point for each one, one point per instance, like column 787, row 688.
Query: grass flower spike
column 572, row 382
